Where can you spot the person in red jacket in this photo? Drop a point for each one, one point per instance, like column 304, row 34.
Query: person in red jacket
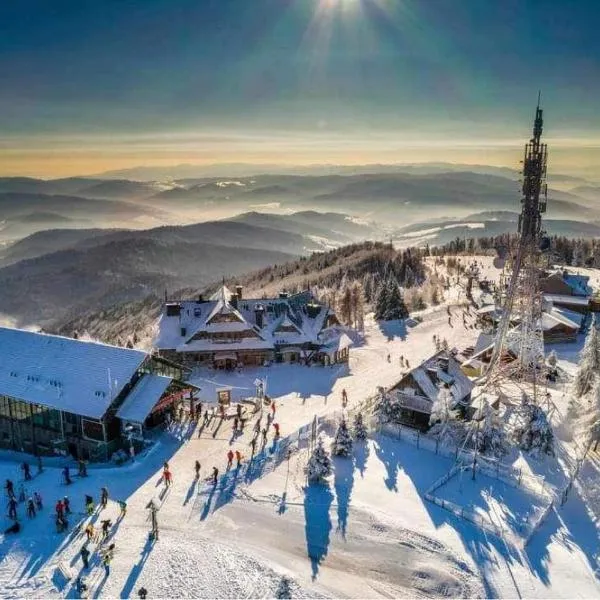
column 60, row 509
column 168, row 477
column 276, row 428
column 229, row 458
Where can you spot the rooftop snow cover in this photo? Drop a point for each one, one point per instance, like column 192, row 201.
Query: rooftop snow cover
column 62, row 373
column 565, row 299
column 144, row 396
column 195, row 318
column 578, row 283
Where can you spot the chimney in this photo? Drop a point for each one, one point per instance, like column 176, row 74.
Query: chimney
column 233, row 300
column 259, row 313
column 238, row 290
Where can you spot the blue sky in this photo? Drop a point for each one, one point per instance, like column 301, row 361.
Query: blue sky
column 128, row 82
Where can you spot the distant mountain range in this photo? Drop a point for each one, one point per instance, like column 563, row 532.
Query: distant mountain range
column 80, row 243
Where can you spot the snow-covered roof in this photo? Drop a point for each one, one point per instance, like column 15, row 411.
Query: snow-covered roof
column 578, row 283
column 144, row 396
column 298, row 312
column 565, row 299
column 341, row 342
column 451, row 375
column 554, row 316
column 62, row 373
column 484, row 341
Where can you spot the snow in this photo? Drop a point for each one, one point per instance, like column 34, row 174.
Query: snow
column 368, row 533
column 143, row 397
column 62, row 373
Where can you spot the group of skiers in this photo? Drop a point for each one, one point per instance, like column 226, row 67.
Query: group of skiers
column 33, row 503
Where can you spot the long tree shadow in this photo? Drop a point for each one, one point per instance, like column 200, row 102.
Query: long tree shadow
column 388, row 454
column 127, row 590
column 361, row 456
column 343, row 484
column 317, row 503
column 393, row 329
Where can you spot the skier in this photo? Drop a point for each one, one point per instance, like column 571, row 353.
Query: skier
column 239, row 410
column 344, row 397
column 276, row 428
column 85, row 557
column 197, row 468
column 106, row 524
column 60, row 509
column 123, row 507
column 264, row 437
column 238, row 458
column 215, row 475
column 89, row 505
column 10, row 489
column 168, row 478
column 38, row 500
column 106, row 563
column 142, row 593
column 235, row 424
column 67, row 505
column 82, row 468
column 12, row 508
column 67, row 476
column 61, row 524
column 165, row 466
column 26, row 471
column 30, row 508
column 389, row 358
column 253, row 445
column 89, row 531
column 229, row 458
column 273, row 408
column 103, row 497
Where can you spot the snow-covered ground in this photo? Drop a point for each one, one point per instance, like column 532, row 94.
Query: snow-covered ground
column 369, row 533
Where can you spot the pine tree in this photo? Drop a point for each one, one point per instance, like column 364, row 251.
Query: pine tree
column 537, row 432
column 388, row 407
column 360, row 430
column 342, row 442
column 381, row 301
column 319, row 464
column 492, row 437
column 589, row 365
column 396, row 306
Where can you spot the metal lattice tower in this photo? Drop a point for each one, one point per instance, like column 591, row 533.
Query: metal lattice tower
column 520, row 327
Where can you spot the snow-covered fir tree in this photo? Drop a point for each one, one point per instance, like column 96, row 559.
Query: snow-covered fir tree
column 388, row 407
column 441, row 411
column 536, row 433
column 491, row 438
column 589, row 362
column 342, row 442
column 390, row 304
column 319, row 464
column 360, row 429
column 552, row 359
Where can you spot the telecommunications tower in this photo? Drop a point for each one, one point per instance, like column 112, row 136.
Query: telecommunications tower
column 520, row 328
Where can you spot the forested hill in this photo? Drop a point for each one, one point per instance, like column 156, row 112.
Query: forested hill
column 326, row 273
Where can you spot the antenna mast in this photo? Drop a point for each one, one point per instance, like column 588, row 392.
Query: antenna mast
column 520, row 327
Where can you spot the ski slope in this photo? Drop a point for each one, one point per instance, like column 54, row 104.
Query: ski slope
column 370, row 533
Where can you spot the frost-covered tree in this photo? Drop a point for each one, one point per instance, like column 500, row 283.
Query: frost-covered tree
column 536, row 433
column 491, row 438
column 390, row 304
column 342, row 442
column 388, row 407
column 589, row 362
column 319, row 464
column 360, row 429
column 441, row 411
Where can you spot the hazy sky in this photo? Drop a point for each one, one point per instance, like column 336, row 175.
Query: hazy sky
column 91, row 85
